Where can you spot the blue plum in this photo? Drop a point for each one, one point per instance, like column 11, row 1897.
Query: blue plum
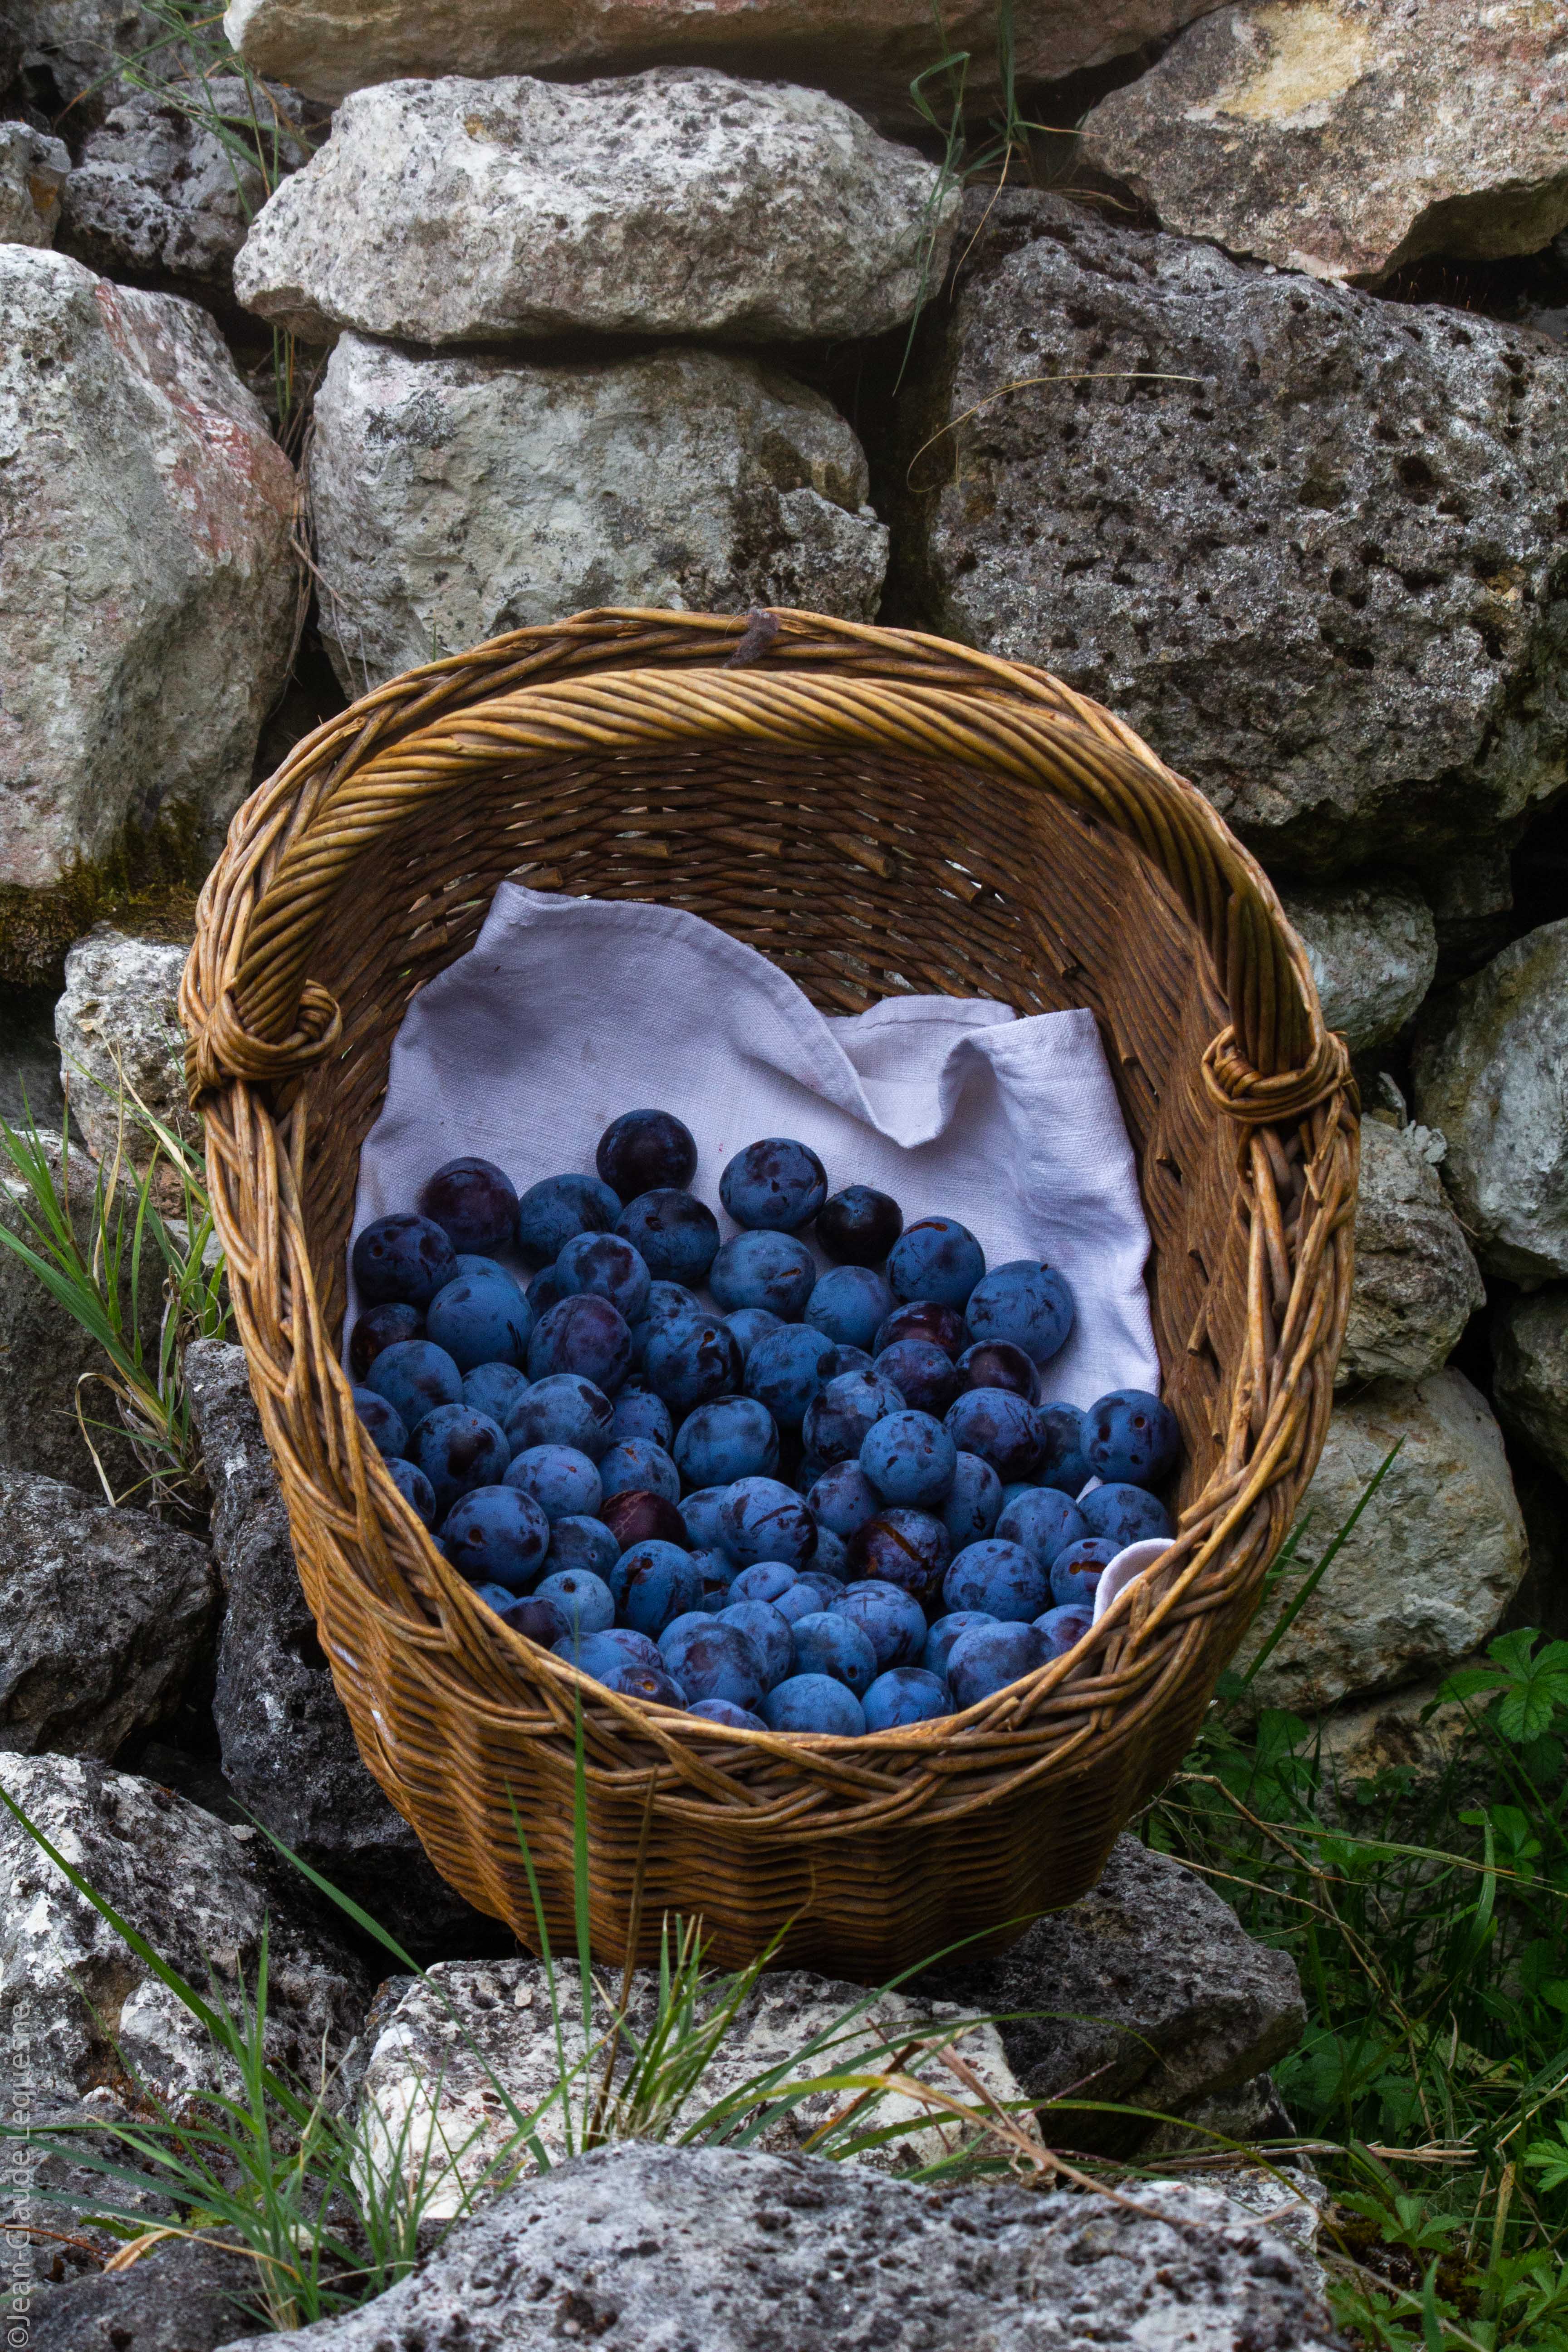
column 535, row 1620
column 581, row 1543
column 639, row 1412
column 720, row 1710
column 1026, row 1302
column 700, row 1513
column 414, row 1488
column 843, row 1498
column 784, row 1371
column 832, row 1555
column 734, row 1437
column 850, row 1303
column 998, row 1364
column 761, row 1519
column 386, row 1428
column 924, row 1374
column 814, row 1703
column 619, row 1645
column 988, row 1657
column 637, row 1516
column 1130, row 1437
column 925, row 1318
column 905, row 1694
column 415, row 1376
column 764, row 1269
column 841, row 1416
column 473, row 1201
column 935, row 1258
column 1125, row 1514
column 774, row 1185
column 1044, row 1521
column 582, row 1334
column 998, row 1577
column 911, row 1460
column 676, row 1234
column 768, row 1630
column 691, row 1360
column 550, row 1211
column 653, row 1583
column 908, row 1549
column 716, row 1571
column 637, row 1466
column 405, row 1258
column 493, row 1535
column 564, row 1410
column 1062, row 1460
column 806, row 1595
column 713, row 1660
column 603, row 1265
column 1064, row 1628
column 459, row 1450
column 383, row 1326
column 1003, row 1428
column 563, row 1482
column 859, row 1226
column 482, row 1319
column 842, row 1357
column 585, row 1600
column 828, row 1644
column 765, row 1579
column 1077, row 1570
column 649, row 1683
column 891, row 1619
column 974, row 1503
column 751, row 1324
column 494, row 1389
column 544, row 1292
column 645, row 1151
column 945, row 1634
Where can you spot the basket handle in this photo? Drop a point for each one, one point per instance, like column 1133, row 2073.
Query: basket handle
column 254, row 1015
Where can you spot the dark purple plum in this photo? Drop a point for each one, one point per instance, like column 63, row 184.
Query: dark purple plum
column 494, row 1390
column 1025, row 1302
column 563, row 1482
column 842, row 1415
column 493, row 1535
column 859, row 1226
column 1130, row 1438
column 636, row 1465
column 720, row 1710
column 831, row 1556
column 828, row 1644
column 1062, row 1462
column 842, row 1357
column 988, row 1657
column 765, row 1579
column 1064, row 1628
column 999, row 1578
column 945, row 1633
column 565, row 1410
column 751, row 1324
column 773, row 1186
column 808, row 1595
column 761, row 1519
column 584, row 1601
column 1003, row 1428
column 536, row 1620
column 414, row 1488
column 603, row 1265
column 908, row 1549
column 473, row 1201
column 925, row 1318
column 905, row 1694
column 1125, row 1514
column 579, row 1543
column 975, row 1502
column 617, row 1645
column 645, row 1151
column 385, row 1427
column 553, row 1210
column 843, row 1499
column 717, row 1572
column 734, row 1437
column 383, row 1326
column 585, row 1335
column 640, row 1413
column 850, row 1303
column 784, row 1371
column 924, row 1374
column 482, row 1319
column 764, row 1269
column 544, row 1292
column 457, row 1451
column 639, row 1516
column 911, row 1460
column 936, row 1257
column 676, row 1234
column 768, row 1630
column 814, row 1703
column 653, row 1583
column 891, row 1619
column 700, row 1516
column 405, row 1258
column 691, row 1360
column 998, row 1364
column 647, row 1683
column 713, row 1660
column 1044, row 1521
column 1077, row 1570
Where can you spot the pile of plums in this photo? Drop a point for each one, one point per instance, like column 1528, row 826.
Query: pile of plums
column 810, row 1503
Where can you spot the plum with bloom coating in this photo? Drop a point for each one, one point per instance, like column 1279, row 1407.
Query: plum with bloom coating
column 617, row 1645
column 774, row 1185
column 381, row 1328
column 652, row 1583
column 538, row 1620
column 1026, row 1302
column 641, row 1516
column 935, row 1258
column 998, row 1364
column 640, row 1413
column 842, row 1415
column 859, row 1226
column 579, row 1543
column 850, row 1303
column 603, row 1265
column 945, row 1634
column 1077, row 1570
column 1042, row 1519
column 457, row 1451
column 908, row 1549
column 720, row 1710
column 583, row 1334
column 784, row 1371
column 550, row 1211
column 751, row 1324
column 924, row 1374
column 402, row 1257
column 1064, row 1628
column 649, row 1683
column 494, row 1535
column 585, row 1600
column 911, row 1460
column 814, row 1703
column 762, row 1519
column 564, row 1410
column 764, row 1269
column 806, row 1595
column 473, row 1201
column 1003, row 1428
column 733, row 1437
column 1062, row 1462
column 563, row 1482
column 828, row 1644
column 765, row 1579
column 645, row 1151
column 843, row 1498
column 1125, row 1514
column 891, row 1619
column 925, row 1318
column 544, row 1292
column 769, row 1631
column 494, row 1389
column 385, row 1427
column 635, row 1468
column 1130, row 1437
column 482, row 1319
column 415, row 1376
column 905, row 1694
column 414, row 1488
column 716, row 1572
column 974, row 1503
column 998, row 1577
column 690, row 1359
column 988, row 1657
column 676, row 1234
column 699, row 1515
column 713, row 1660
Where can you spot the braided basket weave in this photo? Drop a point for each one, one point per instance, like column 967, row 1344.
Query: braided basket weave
column 876, row 811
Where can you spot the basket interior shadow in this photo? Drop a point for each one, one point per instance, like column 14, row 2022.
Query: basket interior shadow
column 877, row 813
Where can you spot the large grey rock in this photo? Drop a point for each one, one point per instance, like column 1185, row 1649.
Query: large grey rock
column 85, row 2009
column 1149, row 1991
column 1488, row 1070
column 872, row 59
column 116, row 1025
column 1350, row 136
column 674, row 202
column 34, row 168
column 1416, row 1284
column 457, row 498
column 1529, row 1372
column 184, row 2297
column 635, row 2247
column 147, row 589
column 72, row 49
column 103, row 1615
column 1373, row 953
column 448, row 2051
column 159, row 193
column 1431, row 1564
column 288, row 1754
column 1307, row 542
column 1410, row 1731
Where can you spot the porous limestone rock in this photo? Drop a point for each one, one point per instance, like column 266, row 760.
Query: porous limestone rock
column 1411, row 1731
column 1347, row 137
column 34, row 168
column 1488, row 1071
column 1529, row 1372
column 70, row 48
column 1373, row 953
column 118, row 1025
column 1309, row 542
column 673, row 203
column 328, row 50
column 147, row 586
column 635, row 2246
column 1431, row 1564
column 85, row 2009
column 103, row 1615
column 455, row 497
column 185, row 2296
column 158, row 193
column 289, row 1753
column 1416, row 1284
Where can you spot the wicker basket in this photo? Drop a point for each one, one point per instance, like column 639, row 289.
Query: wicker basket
column 876, row 811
